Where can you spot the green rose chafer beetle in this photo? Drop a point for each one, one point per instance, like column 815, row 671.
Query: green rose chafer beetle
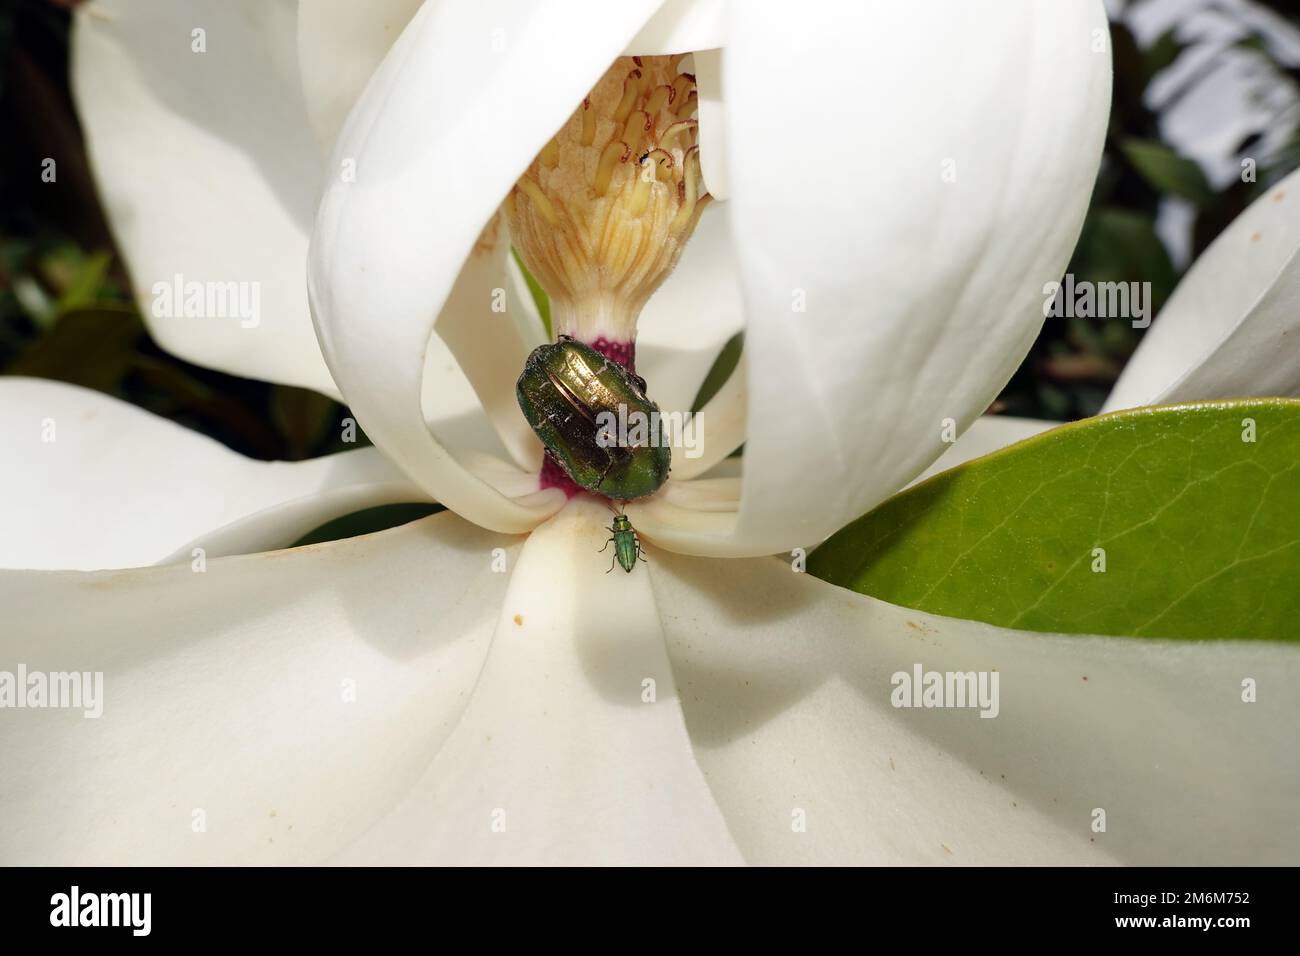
column 569, row 393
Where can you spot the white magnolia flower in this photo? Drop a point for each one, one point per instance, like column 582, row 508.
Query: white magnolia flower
column 393, row 698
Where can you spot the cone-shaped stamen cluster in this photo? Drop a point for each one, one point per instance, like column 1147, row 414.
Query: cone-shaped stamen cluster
column 601, row 215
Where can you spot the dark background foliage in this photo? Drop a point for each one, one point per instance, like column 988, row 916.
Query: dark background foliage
column 66, row 312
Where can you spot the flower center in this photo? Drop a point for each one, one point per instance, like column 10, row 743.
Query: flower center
column 602, row 213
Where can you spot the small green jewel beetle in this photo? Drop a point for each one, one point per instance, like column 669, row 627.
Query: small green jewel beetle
column 571, row 395
column 627, row 546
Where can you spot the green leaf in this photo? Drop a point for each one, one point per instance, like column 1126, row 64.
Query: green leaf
column 1166, row 171
column 368, row 521
column 1161, row 54
column 86, row 285
column 721, row 370
column 92, row 347
column 1198, row 528
column 540, row 298
column 726, row 362
column 1121, row 245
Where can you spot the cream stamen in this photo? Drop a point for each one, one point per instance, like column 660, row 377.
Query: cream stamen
column 601, row 215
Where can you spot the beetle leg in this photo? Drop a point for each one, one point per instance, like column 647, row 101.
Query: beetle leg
column 604, row 549
column 609, row 463
column 611, row 564
column 612, row 456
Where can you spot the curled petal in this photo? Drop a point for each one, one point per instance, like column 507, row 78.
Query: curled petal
column 340, row 44
column 681, row 26
column 714, row 136
column 691, row 316
column 1230, row 328
column 892, row 288
column 488, row 345
column 432, row 165
column 720, row 428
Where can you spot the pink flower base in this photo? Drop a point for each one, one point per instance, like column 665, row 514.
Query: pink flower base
column 624, row 353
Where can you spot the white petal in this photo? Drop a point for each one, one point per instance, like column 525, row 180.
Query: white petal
column 715, row 158
column 209, row 171
column 718, row 494
column 97, row 483
column 881, row 299
column 694, row 514
column 432, row 165
column 340, row 44
column 727, row 468
column 682, row 26
column 1231, row 327
column 786, row 684
column 283, row 701
column 559, row 757
column 720, row 428
column 302, row 496
column 676, row 521
column 458, row 419
column 487, row 344
column 691, row 316
column 987, row 434
column 522, row 306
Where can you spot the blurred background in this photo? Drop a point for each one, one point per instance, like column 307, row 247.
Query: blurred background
column 1200, row 87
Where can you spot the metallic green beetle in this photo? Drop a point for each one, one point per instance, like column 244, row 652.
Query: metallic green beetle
column 627, row 546
column 569, row 393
